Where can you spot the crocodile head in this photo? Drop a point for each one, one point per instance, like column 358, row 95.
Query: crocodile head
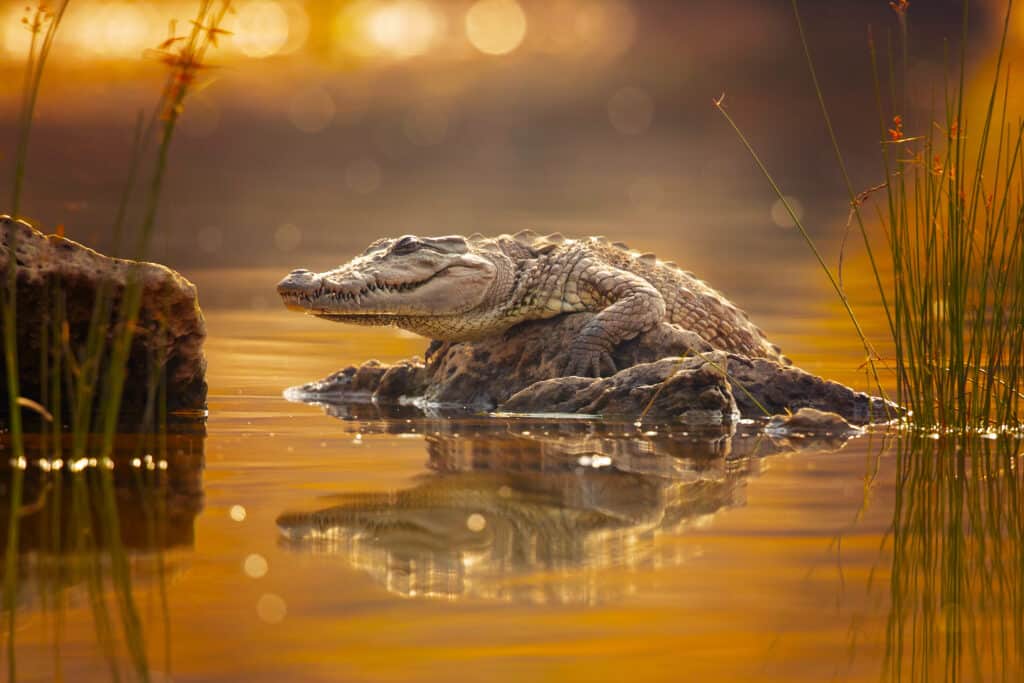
column 406, row 277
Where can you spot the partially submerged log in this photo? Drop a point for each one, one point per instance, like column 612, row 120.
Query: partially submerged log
column 169, row 333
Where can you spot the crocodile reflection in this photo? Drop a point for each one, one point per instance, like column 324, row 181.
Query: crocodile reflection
column 557, row 502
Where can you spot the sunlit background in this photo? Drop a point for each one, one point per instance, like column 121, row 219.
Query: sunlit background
column 320, row 126
column 323, row 125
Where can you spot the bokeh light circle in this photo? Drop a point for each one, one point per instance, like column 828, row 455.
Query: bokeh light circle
column 496, row 27
column 403, row 29
column 255, row 566
column 298, row 27
column 271, row 608
column 260, row 28
column 125, row 30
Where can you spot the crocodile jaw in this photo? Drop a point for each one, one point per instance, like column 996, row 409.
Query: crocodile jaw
column 365, row 288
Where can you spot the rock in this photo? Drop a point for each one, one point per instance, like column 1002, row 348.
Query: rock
column 486, row 373
column 810, row 422
column 370, row 382
column 170, row 323
column 519, row 373
column 691, row 390
column 781, row 388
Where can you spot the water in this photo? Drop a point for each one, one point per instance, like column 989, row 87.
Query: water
column 302, row 544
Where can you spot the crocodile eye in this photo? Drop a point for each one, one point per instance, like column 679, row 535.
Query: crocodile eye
column 406, row 245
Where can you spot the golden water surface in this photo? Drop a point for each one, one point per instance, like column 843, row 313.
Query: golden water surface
column 483, row 549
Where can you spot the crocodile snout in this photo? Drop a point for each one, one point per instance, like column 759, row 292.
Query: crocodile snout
column 295, row 282
column 296, row 286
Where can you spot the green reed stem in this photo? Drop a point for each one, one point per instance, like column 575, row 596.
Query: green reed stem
column 954, row 236
column 94, row 374
column 810, row 243
column 33, row 78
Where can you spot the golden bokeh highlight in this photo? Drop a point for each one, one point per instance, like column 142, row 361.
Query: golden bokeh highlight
column 259, row 28
column 404, row 29
column 15, row 38
column 271, row 608
column 255, row 566
column 126, row 29
column 476, row 522
column 496, row 27
column 298, row 26
column 367, row 30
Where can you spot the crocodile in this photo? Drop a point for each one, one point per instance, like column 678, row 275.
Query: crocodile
column 456, row 288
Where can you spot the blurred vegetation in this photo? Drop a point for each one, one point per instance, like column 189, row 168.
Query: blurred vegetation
column 76, row 451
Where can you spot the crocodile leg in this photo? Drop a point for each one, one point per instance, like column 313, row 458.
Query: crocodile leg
column 627, row 305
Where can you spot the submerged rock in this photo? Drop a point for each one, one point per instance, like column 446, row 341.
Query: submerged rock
column 170, row 328
column 663, row 373
column 808, row 422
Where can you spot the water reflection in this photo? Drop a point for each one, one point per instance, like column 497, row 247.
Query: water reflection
column 957, row 585
column 153, row 476
column 532, row 510
column 94, row 533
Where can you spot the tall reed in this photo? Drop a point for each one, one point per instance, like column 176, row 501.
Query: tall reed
column 955, row 233
column 90, row 379
column 947, row 254
column 42, row 23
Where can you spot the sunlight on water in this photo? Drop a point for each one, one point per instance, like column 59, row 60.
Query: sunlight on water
column 276, row 540
column 297, row 541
